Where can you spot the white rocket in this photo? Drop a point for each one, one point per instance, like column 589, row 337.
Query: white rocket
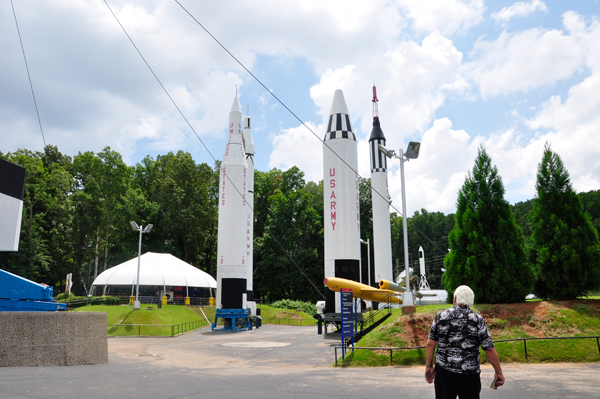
column 232, row 266
column 249, row 149
column 341, row 201
column 382, row 235
column 423, row 283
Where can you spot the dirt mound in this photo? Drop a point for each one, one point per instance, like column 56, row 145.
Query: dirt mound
column 531, row 319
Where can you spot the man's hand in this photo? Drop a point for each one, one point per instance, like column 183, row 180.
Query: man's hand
column 499, row 379
column 492, row 357
column 429, row 375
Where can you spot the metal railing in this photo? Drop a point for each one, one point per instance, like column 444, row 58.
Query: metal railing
column 163, row 329
column 376, row 315
column 597, row 337
column 289, row 322
column 391, row 350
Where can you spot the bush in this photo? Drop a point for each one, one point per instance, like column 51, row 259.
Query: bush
column 78, row 301
column 306, row 307
column 63, row 295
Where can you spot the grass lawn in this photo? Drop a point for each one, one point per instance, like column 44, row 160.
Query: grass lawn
column 168, row 315
column 272, row 315
column 176, row 314
column 505, row 321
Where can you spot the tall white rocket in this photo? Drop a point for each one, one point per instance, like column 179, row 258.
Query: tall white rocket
column 382, row 235
column 341, row 201
column 423, row 283
column 232, row 267
column 249, row 149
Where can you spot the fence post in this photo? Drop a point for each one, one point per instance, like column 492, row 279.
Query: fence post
column 391, row 358
column 139, row 330
column 598, row 342
column 525, row 342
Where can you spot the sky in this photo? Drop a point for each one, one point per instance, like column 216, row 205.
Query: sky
column 452, row 74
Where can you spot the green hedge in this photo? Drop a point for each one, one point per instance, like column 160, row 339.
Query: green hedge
column 306, row 307
column 78, row 301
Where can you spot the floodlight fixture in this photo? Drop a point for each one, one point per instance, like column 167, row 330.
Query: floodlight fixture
column 134, row 226
column 412, row 152
column 148, row 229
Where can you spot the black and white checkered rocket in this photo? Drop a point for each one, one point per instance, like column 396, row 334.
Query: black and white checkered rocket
column 341, row 201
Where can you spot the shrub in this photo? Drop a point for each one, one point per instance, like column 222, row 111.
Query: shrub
column 63, row 295
column 306, row 307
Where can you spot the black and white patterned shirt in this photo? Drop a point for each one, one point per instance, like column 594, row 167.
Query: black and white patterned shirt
column 459, row 332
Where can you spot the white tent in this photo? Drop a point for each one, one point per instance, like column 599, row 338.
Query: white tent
column 163, row 270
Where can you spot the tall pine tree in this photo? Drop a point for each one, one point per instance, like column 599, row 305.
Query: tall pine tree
column 487, row 250
column 565, row 251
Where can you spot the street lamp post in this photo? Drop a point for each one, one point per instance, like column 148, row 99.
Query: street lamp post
column 134, row 226
column 412, row 152
column 368, row 258
column 89, row 266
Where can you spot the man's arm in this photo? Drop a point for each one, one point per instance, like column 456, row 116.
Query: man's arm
column 429, row 375
column 492, row 357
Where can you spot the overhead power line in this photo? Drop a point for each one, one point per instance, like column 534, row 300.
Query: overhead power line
column 203, row 144
column 296, row 116
column 28, row 75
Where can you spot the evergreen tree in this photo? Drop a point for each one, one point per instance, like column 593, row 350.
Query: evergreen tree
column 565, row 252
column 487, row 251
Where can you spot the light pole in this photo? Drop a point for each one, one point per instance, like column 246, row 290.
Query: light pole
column 89, row 265
column 134, row 226
column 412, row 152
column 368, row 258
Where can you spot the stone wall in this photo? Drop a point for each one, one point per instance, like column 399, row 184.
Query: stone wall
column 52, row 338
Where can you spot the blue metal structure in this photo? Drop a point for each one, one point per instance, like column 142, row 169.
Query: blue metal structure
column 233, row 320
column 17, row 294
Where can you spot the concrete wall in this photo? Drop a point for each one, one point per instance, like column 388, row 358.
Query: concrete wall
column 52, row 338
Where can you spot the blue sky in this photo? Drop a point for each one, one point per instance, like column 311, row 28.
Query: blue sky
column 453, row 74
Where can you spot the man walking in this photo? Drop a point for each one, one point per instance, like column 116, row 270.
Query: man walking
column 459, row 332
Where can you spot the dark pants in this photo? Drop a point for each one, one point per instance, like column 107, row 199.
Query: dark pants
column 448, row 385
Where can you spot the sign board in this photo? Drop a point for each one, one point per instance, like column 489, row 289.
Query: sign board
column 347, row 316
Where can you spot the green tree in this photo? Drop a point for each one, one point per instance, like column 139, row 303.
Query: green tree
column 428, row 230
column 487, row 250
column 104, row 179
column 292, row 212
column 565, row 250
column 44, row 248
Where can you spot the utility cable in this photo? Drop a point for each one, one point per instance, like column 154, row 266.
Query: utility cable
column 28, row 75
column 207, row 150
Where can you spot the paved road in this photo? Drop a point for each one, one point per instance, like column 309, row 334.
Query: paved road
column 273, row 362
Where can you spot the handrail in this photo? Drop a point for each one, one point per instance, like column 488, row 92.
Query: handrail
column 179, row 327
column 345, row 347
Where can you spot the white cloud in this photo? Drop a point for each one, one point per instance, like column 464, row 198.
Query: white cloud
column 519, row 9
column 299, row 147
column 412, row 82
column 530, row 59
column 573, row 131
column 433, row 179
column 445, row 16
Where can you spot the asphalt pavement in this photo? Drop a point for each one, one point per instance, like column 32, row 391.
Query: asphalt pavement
column 272, row 362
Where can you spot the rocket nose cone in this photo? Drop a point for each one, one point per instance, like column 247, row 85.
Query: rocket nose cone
column 338, row 106
column 376, row 133
column 235, row 107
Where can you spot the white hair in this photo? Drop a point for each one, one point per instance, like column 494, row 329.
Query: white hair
column 464, row 296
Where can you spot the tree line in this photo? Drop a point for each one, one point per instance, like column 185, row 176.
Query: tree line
column 76, row 214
